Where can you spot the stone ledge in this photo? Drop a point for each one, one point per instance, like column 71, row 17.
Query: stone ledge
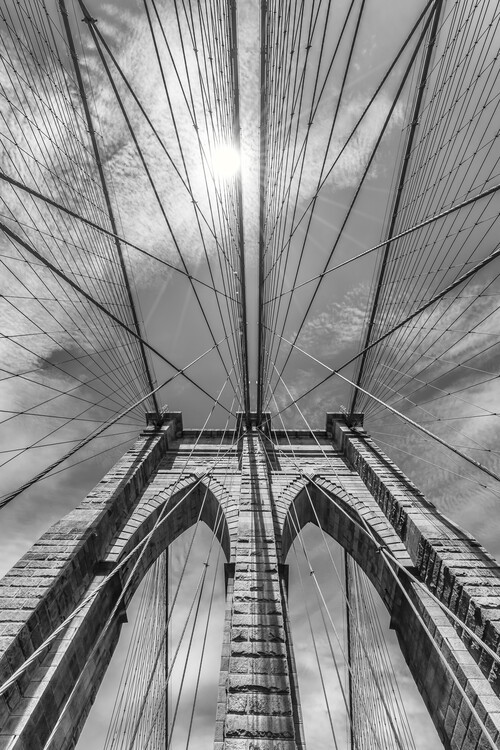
column 257, row 683
column 257, row 726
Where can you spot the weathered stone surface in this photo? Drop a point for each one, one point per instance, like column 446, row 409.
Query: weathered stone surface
column 257, row 726
column 257, row 693
column 258, row 704
column 262, row 665
column 256, row 648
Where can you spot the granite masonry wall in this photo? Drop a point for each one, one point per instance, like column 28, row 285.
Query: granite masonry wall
column 255, row 500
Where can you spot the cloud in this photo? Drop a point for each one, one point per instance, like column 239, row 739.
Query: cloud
column 350, row 161
column 449, row 353
column 333, row 333
column 338, row 325
column 303, row 597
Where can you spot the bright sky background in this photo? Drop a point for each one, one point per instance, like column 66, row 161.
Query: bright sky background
column 169, row 314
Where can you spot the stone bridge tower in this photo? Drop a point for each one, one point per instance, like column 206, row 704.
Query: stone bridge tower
column 255, row 498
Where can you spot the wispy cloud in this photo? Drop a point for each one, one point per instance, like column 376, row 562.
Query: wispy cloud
column 338, row 325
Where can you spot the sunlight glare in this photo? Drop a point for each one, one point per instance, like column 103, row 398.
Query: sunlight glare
column 226, row 161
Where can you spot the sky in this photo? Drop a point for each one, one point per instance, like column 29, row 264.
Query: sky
column 65, row 364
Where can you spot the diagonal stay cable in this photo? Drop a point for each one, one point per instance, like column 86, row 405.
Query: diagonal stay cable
column 96, row 35
column 183, row 159
column 300, row 157
column 92, row 595
column 22, row 449
column 495, row 254
column 415, row 117
column 363, row 114
column 404, row 233
column 187, row 557
column 97, row 39
column 41, row 475
column 287, row 245
column 269, row 158
column 389, row 555
column 218, row 520
column 53, row 169
column 205, row 156
column 410, row 421
column 97, row 156
column 142, row 547
column 103, row 309
column 187, row 181
column 107, row 232
column 366, row 171
column 364, row 528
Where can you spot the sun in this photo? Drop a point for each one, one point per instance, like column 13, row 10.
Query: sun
column 226, row 161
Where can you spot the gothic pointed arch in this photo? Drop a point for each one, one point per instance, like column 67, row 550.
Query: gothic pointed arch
column 327, row 505
column 76, row 558
column 256, row 503
column 193, row 499
column 375, row 507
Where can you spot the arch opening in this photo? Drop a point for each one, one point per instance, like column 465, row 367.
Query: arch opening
column 206, row 633
column 79, row 662
column 182, row 510
column 320, row 644
column 422, row 629
column 341, row 521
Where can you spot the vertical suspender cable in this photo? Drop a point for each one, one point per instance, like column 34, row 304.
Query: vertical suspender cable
column 262, row 169
column 166, row 665
column 349, row 650
column 241, row 239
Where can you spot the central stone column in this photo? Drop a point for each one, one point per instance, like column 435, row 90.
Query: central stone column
column 258, row 707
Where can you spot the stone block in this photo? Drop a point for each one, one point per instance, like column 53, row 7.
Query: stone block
column 235, row 744
column 257, row 648
column 239, row 665
column 276, row 705
column 256, row 694
column 266, row 621
column 237, row 703
column 259, row 726
column 251, row 683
